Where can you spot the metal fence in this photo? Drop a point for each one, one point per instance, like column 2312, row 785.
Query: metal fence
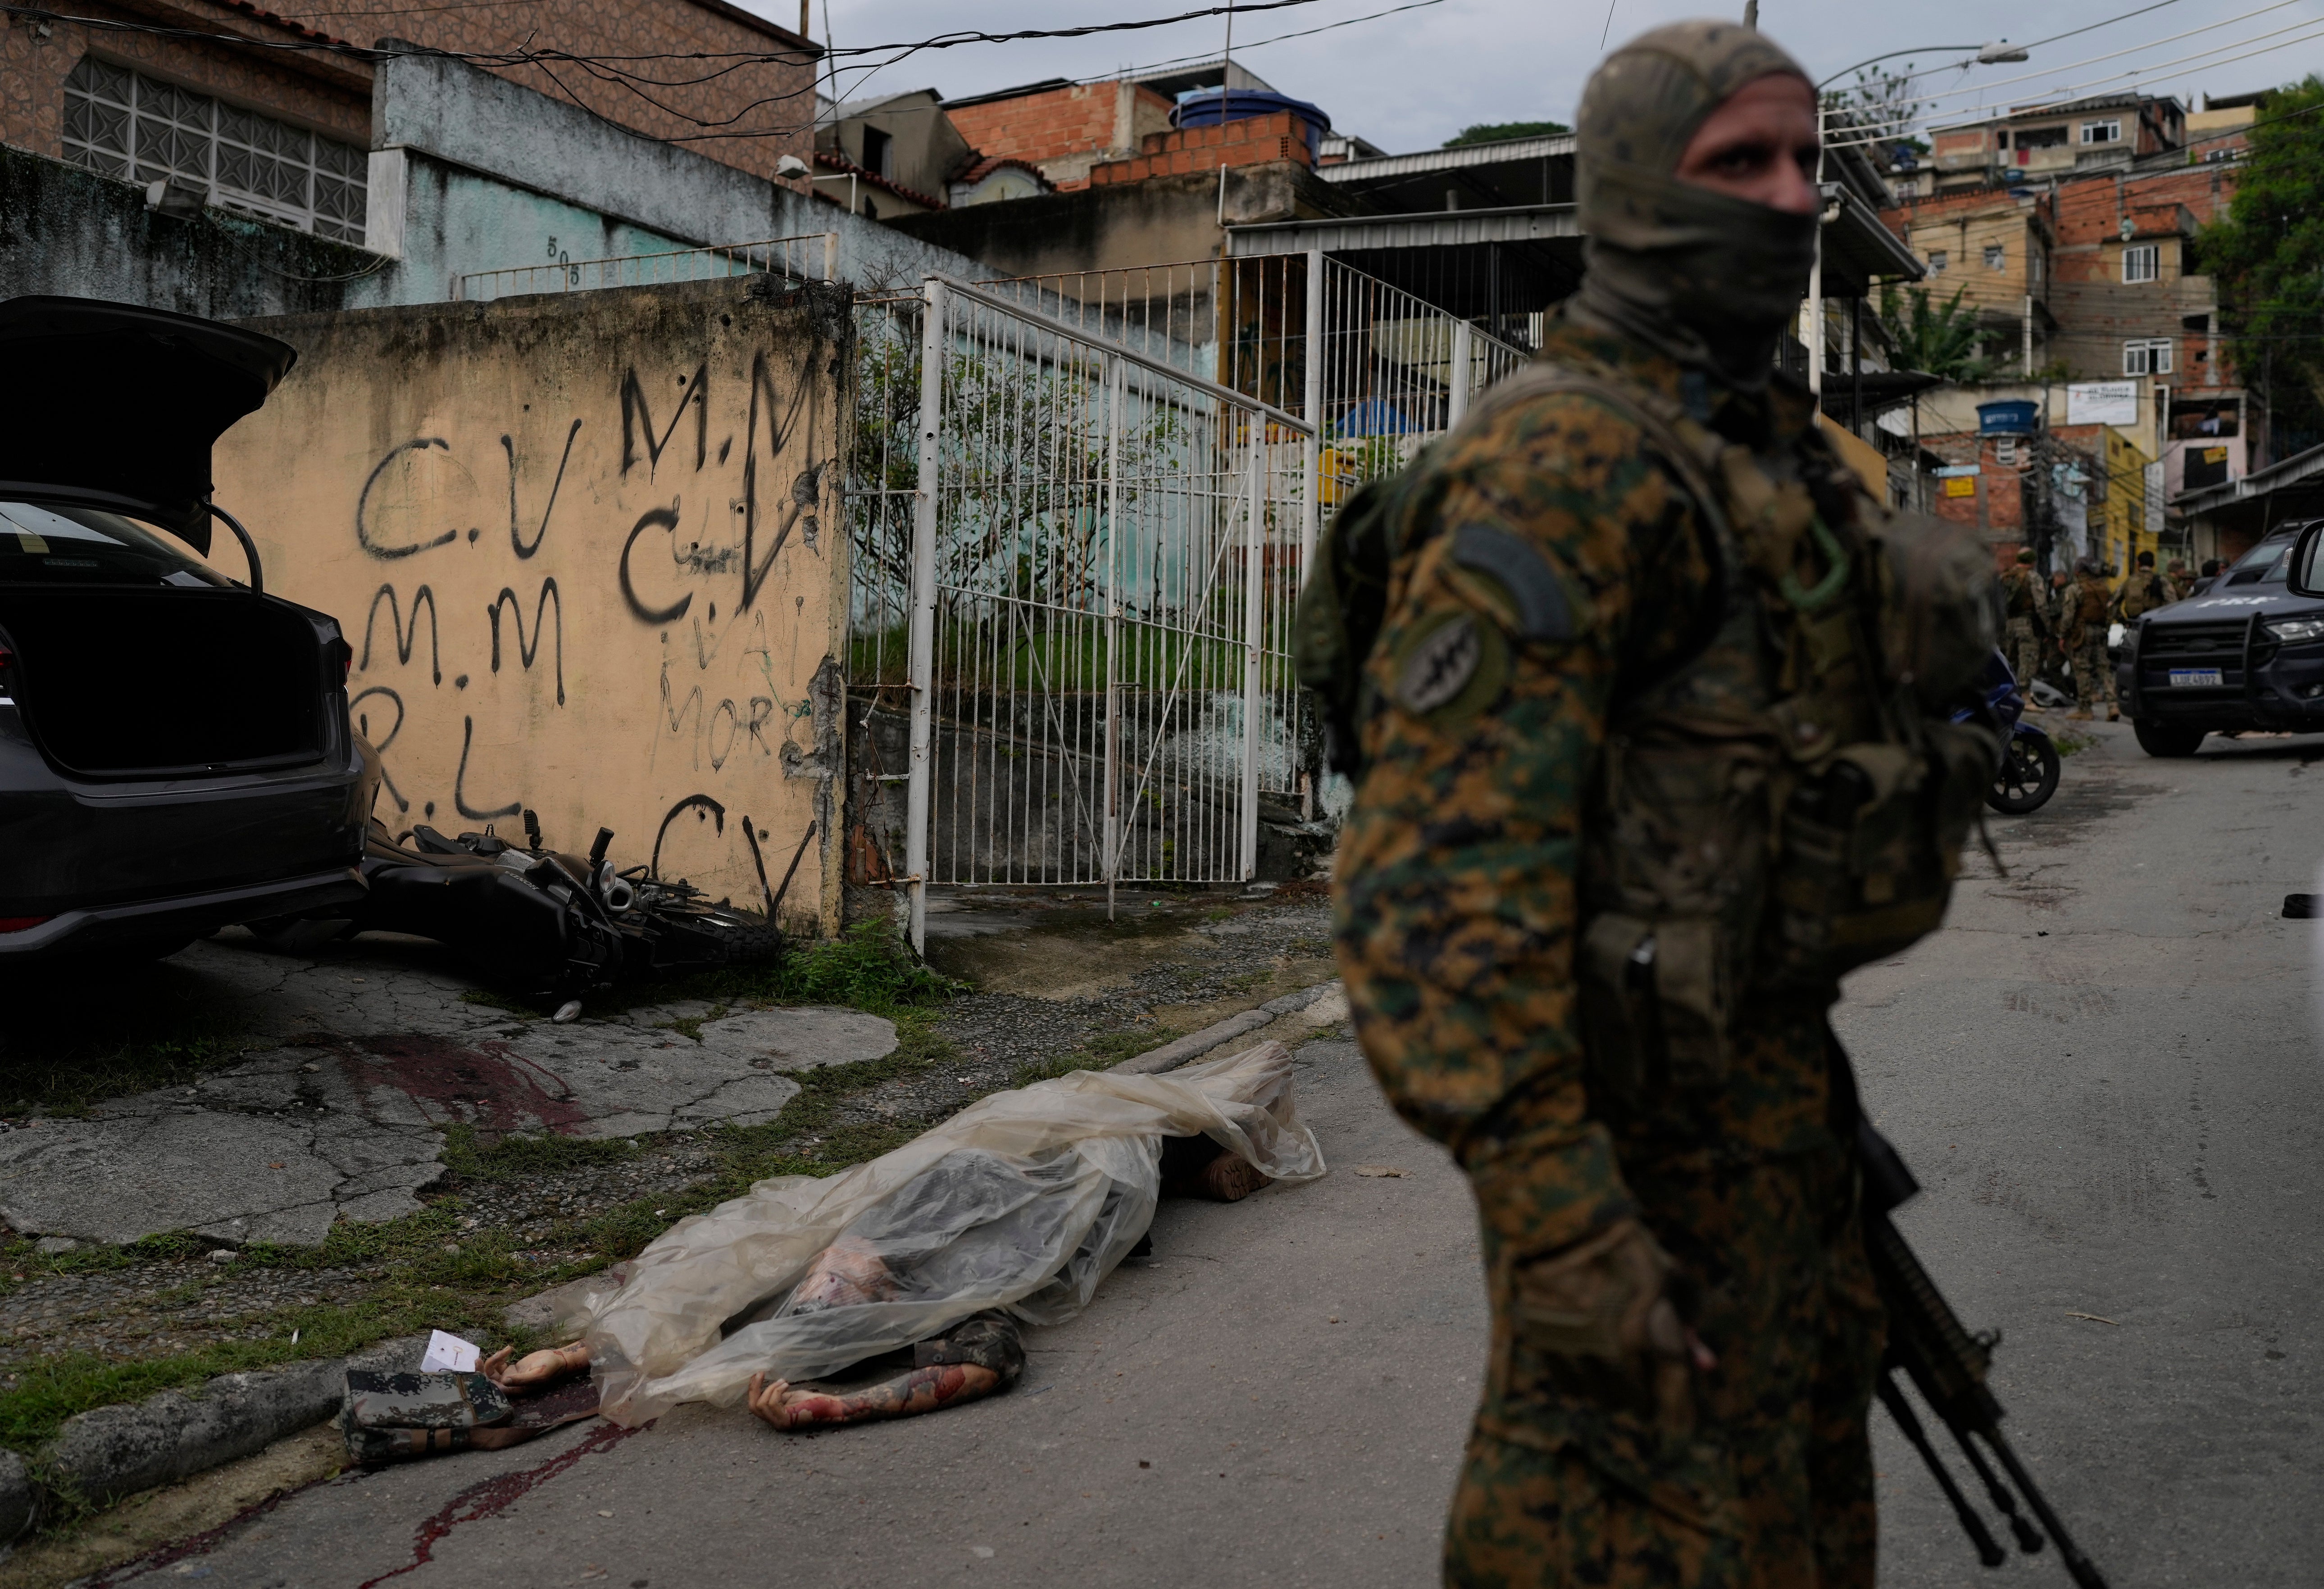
column 1080, row 508
column 814, row 256
column 1089, row 585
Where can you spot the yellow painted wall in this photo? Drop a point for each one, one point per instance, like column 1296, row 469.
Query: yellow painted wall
column 588, row 552
column 1858, row 454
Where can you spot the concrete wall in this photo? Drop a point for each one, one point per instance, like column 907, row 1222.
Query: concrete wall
column 589, row 554
column 66, row 230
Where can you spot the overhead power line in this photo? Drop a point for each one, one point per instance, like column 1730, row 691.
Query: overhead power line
column 1879, row 130
column 938, row 42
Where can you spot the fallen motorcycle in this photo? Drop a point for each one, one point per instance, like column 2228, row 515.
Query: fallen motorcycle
column 547, row 923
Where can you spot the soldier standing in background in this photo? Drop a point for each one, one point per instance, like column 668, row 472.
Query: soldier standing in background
column 1623, row 703
column 2084, row 607
column 2179, row 579
column 2025, row 623
column 2143, row 591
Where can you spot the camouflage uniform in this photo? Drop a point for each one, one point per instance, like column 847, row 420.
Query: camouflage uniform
column 2085, row 638
column 1458, row 915
column 2022, row 603
column 1653, row 702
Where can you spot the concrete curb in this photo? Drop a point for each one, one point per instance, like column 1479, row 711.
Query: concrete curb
column 1194, row 1045
column 110, row 1452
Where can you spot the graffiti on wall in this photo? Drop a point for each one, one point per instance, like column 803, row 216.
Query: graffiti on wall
column 591, row 580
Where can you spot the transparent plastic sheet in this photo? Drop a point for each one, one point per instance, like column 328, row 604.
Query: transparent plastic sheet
column 1024, row 1200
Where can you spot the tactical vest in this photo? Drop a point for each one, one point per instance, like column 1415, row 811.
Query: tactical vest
column 2140, row 592
column 1787, row 803
column 2025, row 601
column 2086, row 609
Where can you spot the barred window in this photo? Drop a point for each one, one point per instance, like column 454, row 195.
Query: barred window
column 126, row 125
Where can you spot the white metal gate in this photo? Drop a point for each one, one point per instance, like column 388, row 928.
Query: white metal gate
column 1105, row 551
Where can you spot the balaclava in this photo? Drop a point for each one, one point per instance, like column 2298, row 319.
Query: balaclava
column 1707, row 278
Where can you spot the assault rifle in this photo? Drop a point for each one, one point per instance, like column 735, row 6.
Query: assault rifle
column 1947, row 1364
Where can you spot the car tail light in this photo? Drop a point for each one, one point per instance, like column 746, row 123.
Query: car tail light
column 21, row 924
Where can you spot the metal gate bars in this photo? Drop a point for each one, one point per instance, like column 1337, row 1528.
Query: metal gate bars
column 1105, row 553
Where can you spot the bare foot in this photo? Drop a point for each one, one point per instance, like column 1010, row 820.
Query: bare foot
column 535, row 1368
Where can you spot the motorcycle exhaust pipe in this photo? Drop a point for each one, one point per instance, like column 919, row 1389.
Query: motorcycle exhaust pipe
column 615, row 891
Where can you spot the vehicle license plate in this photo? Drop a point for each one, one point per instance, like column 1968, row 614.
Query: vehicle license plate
column 2196, row 677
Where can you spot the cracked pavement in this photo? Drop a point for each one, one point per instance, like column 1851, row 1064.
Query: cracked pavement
column 375, row 1053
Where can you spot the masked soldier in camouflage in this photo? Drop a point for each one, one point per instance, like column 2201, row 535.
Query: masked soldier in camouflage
column 2025, row 623
column 1652, row 747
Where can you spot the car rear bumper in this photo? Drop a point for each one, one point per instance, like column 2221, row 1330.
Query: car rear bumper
column 185, row 915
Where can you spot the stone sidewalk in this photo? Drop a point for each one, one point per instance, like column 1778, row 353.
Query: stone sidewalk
column 365, row 1057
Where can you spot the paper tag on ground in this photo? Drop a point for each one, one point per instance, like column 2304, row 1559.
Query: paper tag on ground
column 449, row 1353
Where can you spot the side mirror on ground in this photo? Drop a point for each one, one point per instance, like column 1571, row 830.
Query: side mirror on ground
column 2307, row 563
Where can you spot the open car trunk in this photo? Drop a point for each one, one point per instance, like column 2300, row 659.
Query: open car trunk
column 121, row 681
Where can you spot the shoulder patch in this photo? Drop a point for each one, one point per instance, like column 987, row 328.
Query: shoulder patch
column 1545, row 610
column 1452, row 668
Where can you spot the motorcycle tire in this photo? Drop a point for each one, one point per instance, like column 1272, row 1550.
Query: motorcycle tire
column 2028, row 778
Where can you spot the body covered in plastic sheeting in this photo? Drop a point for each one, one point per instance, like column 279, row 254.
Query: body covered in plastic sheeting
column 1024, row 1200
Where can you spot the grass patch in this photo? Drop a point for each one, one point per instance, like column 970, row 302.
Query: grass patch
column 869, row 968
column 525, row 1158
column 2069, row 742
column 1097, row 1054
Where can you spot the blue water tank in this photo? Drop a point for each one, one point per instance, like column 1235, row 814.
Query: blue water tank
column 1212, row 106
column 2009, row 419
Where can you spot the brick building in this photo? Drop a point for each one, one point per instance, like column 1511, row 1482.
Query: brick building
column 2107, row 133
column 283, row 133
column 1992, row 246
column 1061, row 128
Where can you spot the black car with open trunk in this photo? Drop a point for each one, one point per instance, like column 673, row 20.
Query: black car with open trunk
column 175, row 753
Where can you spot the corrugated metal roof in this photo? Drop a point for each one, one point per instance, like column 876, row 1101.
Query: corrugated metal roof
column 1428, row 229
column 1447, row 160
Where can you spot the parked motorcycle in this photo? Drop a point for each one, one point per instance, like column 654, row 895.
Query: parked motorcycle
column 2028, row 772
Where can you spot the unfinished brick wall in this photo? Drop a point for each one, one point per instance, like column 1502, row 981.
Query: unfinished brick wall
column 1250, row 140
column 1063, row 131
column 331, row 93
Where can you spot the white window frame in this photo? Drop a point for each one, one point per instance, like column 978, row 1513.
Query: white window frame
column 2112, row 131
column 121, row 123
column 1997, row 256
column 2141, row 262
column 1937, row 261
column 2146, row 355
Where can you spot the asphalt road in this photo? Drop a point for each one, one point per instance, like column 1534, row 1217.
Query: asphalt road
column 2104, row 1071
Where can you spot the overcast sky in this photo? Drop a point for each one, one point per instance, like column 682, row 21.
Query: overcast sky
column 1410, row 81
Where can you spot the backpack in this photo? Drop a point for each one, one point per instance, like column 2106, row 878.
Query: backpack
column 1344, row 603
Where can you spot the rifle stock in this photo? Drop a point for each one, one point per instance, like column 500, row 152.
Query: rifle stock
column 1947, row 1365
